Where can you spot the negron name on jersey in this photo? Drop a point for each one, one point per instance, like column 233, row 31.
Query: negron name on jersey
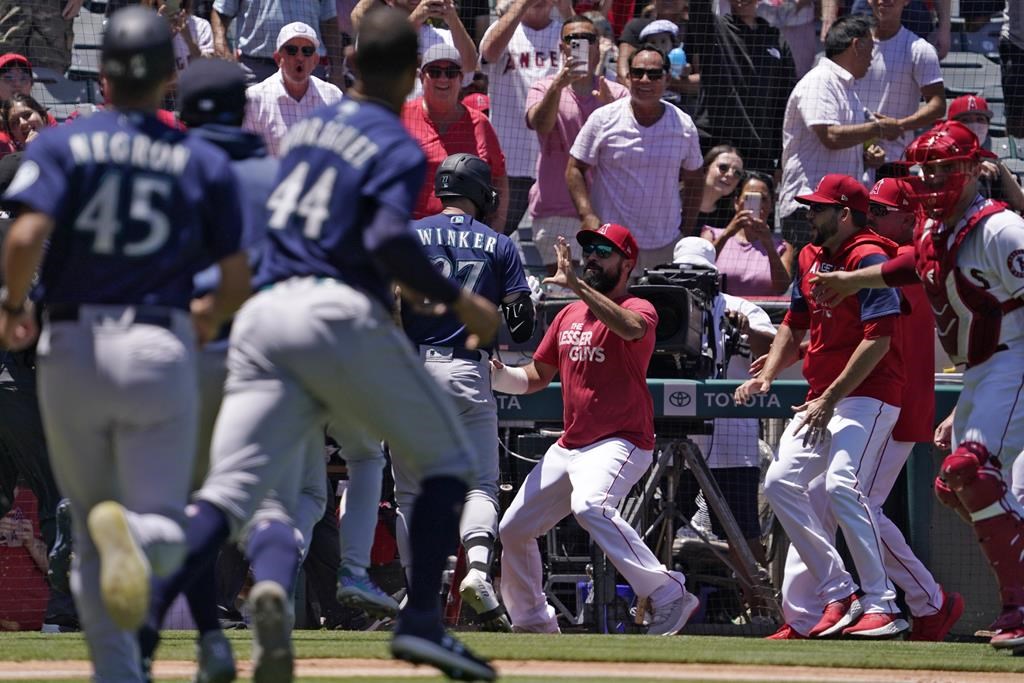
column 141, row 151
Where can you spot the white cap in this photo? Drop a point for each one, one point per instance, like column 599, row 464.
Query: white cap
column 297, row 29
column 659, row 26
column 694, row 251
column 442, row 52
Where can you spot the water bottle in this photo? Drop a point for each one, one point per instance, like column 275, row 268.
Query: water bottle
column 677, row 61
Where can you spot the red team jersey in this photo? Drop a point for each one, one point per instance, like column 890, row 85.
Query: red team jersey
column 836, row 331
column 604, row 377
column 917, row 412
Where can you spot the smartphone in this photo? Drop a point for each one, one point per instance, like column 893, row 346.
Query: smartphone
column 171, row 7
column 579, row 52
column 752, row 202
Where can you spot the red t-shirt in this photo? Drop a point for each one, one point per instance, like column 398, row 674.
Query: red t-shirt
column 917, row 412
column 837, row 331
column 473, row 134
column 23, row 589
column 604, row 377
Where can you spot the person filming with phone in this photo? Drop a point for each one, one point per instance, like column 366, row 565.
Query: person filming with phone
column 755, row 261
column 556, row 109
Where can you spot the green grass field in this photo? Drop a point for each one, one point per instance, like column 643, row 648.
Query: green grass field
column 972, row 657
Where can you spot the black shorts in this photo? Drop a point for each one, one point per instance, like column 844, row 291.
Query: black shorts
column 739, row 486
column 1011, row 58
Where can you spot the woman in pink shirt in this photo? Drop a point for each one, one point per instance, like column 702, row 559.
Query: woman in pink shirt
column 754, row 261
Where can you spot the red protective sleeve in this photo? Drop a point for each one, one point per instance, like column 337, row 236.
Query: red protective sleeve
column 900, row 271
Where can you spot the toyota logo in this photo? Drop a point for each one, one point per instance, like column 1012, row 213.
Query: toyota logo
column 680, row 399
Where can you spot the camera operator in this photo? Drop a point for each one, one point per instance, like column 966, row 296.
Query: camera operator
column 731, row 450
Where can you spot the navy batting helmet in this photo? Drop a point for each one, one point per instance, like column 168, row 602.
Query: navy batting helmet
column 137, row 47
column 465, row 175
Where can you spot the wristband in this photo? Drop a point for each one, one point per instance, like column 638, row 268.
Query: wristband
column 509, row 380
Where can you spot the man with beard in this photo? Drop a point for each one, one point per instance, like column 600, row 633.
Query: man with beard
column 600, row 346
column 854, row 369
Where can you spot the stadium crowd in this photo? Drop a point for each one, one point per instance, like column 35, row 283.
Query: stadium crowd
column 724, row 135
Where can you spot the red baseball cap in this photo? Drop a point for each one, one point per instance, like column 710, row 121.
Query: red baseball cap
column 478, row 101
column 840, row 190
column 968, row 104
column 14, row 59
column 891, row 192
column 617, row 235
column 946, row 141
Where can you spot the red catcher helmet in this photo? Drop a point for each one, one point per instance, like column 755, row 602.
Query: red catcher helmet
column 949, row 144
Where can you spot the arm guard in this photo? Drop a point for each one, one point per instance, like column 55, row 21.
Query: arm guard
column 519, row 316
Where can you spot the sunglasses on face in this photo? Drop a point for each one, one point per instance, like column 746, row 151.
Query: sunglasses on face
column 292, row 50
column 724, row 169
column 447, row 71
column 592, row 37
column 652, row 74
column 821, row 208
column 880, row 210
column 603, row 251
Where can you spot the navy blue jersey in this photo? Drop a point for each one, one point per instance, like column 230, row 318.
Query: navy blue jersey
column 472, row 255
column 340, row 165
column 138, row 208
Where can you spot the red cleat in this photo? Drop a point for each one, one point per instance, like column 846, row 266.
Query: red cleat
column 838, row 615
column 877, row 625
column 935, row 627
column 1008, row 638
column 787, row 632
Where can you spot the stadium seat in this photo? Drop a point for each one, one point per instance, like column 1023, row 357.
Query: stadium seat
column 968, row 73
column 984, row 41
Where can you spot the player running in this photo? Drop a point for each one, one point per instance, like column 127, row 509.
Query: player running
column 969, row 255
column 131, row 209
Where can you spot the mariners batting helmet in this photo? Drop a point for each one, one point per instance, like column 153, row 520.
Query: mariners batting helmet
column 465, row 175
column 137, row 47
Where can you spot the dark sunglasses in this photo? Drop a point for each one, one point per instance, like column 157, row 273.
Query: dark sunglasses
column 603, row 251
column 880, row 210
column 592, row 37
column 725, row 168
column 292, row 50
column 447, row 72
column 822, row 208
column 652, row 74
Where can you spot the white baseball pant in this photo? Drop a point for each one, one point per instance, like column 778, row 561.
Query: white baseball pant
column 801, row 603
column 119, row 410
column 991, row 411
column 848, row 458
column 587, row 482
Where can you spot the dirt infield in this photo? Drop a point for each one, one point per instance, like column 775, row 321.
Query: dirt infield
column 380, row 668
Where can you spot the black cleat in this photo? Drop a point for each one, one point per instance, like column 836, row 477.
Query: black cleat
column 59, row 571
column 443, row 652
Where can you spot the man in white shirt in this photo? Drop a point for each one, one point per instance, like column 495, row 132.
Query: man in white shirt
column 521, row 48
column 826, row 125
column 636, row 150
column 904, row 70
column 289, row 95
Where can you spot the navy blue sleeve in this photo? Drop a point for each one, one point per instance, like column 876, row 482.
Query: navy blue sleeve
column 515, row 277
column 40, row 182
column 877, row 303
column 797, row 302
column 223, row 211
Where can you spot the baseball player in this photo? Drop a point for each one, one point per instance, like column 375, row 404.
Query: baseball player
column 317, row 344
column 132, row 210
column 854, row 369
column 601, row 347
column 969, row 256
column 468, row 252
column 934, row 611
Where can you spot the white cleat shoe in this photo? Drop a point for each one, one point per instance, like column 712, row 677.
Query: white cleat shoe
column 272, row 655
column 477, row 592
column 672, row 606
column 124, row 569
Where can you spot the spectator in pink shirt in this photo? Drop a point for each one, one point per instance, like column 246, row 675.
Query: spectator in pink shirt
column 755, row 262
column 556, row 108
